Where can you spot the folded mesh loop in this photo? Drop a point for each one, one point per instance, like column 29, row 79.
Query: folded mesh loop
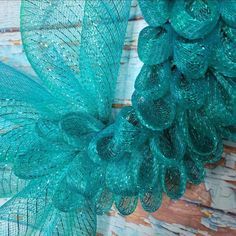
column 169, row 145
column 221, row 105
column 126, row 205
column 156, row 12
column 228, row 12
column 111, row 143
column 194, row 19
column 194, row 168
column 100, row 149
column 191, row 57
column 49, row 130
column 59, row 142
column 79, row 128
column 173, row 178
column 186, row 92
column 149, row 169
column 103, row 200
column 127, row 130
column 154, row 79
column 201, row 135
column 224, row 54
column 156, row 113
column 152, row 198
column 155, row 44
column 67, row 199
column 85, row 176
column 211, row 158
column 122, row 176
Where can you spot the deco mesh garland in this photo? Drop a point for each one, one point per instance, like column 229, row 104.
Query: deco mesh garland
column 63, row 159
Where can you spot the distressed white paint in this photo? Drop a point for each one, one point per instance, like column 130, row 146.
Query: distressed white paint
column 219, row 181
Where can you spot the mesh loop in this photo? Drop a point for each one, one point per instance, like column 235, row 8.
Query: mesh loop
column 156, row 12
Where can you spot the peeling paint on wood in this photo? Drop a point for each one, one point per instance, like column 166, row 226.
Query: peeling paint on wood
column 206, row 209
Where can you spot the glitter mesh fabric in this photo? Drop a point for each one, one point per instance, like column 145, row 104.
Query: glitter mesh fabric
column 75, row 48
column 63, row 159
column 186, row 90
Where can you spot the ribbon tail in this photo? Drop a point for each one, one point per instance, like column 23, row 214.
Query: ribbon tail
column 32, row 212
column 75, row 48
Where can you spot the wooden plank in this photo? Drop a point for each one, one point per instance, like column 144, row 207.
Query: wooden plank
column 173, row 218
column 9, row 15
column 207, row 209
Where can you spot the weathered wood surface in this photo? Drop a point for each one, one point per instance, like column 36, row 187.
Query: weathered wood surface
column 207, row 209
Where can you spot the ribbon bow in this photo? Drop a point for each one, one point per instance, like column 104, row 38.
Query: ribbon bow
column 64, row 159
column 47, row 125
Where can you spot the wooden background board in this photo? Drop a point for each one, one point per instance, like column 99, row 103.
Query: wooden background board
column 207, row 209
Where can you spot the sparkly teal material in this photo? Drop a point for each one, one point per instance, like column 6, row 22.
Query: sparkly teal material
column 64, row 160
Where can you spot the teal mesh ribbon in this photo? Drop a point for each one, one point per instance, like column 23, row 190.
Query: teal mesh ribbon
column 63, row 158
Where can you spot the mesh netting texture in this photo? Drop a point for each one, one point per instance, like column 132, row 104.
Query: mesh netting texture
column 64, row 160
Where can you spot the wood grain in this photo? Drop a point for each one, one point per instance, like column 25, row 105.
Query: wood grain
column 207, row 209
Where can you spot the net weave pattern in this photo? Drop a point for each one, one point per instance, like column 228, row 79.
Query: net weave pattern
column 64, row 160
